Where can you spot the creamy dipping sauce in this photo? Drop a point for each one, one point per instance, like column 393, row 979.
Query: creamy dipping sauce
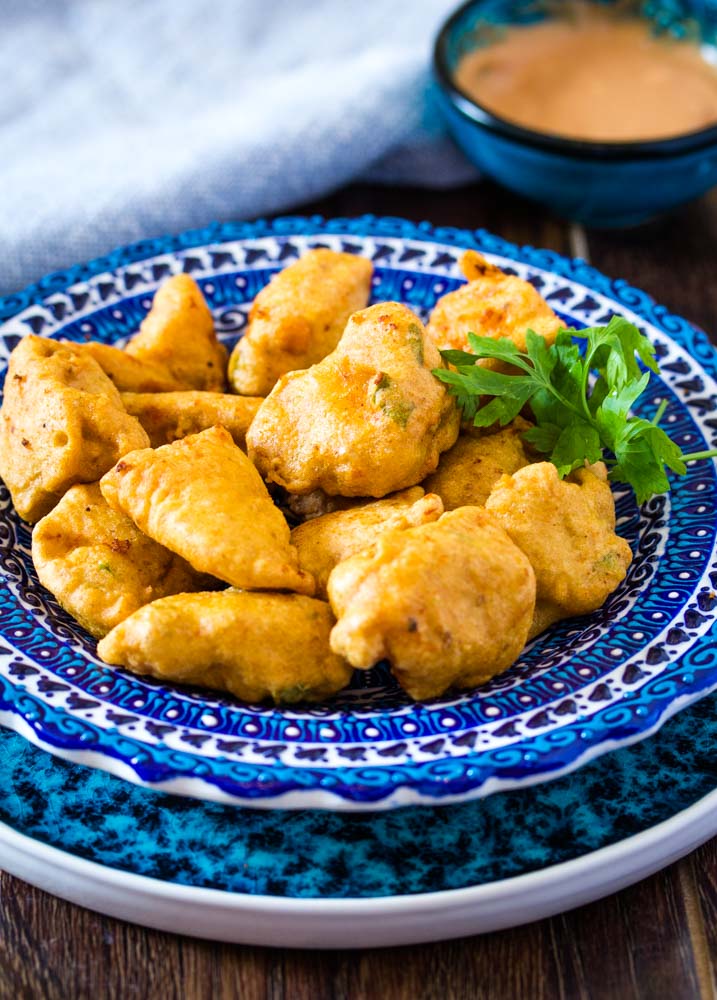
column 593, row 76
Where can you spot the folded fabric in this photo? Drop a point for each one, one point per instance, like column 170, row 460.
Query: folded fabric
column 124, row 121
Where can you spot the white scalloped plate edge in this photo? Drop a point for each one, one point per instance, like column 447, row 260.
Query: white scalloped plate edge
column 201, row 790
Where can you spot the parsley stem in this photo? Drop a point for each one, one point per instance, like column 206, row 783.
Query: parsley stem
column 712, row 453
column 584, row 387
column 660, row 412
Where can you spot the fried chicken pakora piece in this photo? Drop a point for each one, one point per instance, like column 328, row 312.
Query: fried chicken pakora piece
column 202, row 498
column 470, row 469
column 256, row 646
column 566, row 528
column 169, row 416
column 99, row 566
column 368, row 420
column 298, row 318
column 178, row 334
column 325, row 541
column 62, row 422
column 492, row 304
column 128, row 374
column 449, row 603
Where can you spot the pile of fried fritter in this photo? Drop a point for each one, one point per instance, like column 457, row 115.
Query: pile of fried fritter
column 439, row 548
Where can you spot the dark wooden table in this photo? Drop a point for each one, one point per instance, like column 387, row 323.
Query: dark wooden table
column 655, row 940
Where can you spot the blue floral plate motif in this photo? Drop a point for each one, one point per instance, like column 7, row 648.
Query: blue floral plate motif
column 582, row 688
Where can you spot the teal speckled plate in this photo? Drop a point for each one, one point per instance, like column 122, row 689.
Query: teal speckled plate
column 318, row 879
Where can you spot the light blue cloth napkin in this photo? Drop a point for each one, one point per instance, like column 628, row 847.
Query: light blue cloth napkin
column 120, row 121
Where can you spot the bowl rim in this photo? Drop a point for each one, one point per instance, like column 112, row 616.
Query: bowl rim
column 477, row 113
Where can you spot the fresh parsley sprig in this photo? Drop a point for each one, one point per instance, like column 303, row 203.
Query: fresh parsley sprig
column 580, row 390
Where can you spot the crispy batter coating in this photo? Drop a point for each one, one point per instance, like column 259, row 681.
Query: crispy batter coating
column 368, row 420
column 449, row 604
column 202, row 498
column 127, row 373
column 492, row 304
column 99, row 566
column 254, row 645
column 298, row 318
column 178, row 334
column 567, row 530
column 470, row 469
column 62, row 422
column 326, row 541
column 169, row 416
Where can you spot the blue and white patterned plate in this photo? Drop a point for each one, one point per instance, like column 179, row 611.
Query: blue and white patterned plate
column 584, row 687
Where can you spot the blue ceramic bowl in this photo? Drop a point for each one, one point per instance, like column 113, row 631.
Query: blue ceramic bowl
column 605, row 184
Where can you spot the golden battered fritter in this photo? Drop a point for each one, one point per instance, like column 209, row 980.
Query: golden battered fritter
column 325, row 541
column 254, row 645
column 62, row 422
column 368, row 420
column 129, row 374
column 178, row 334
column 169, row 416
column 566, row 528
column 99, row 566
column 449, row 604
column 492, row 304
column 298, row 318
column 202, row 498
column 468, row 472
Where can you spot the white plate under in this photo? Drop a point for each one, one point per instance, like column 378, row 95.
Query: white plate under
column 357, row 923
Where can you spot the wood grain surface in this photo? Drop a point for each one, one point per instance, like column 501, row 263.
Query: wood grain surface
column 655, row 940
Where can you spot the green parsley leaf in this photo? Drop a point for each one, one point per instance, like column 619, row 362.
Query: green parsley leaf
column 580, row 390
column 543, row 437
column 578, row 443
column 612, row 413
